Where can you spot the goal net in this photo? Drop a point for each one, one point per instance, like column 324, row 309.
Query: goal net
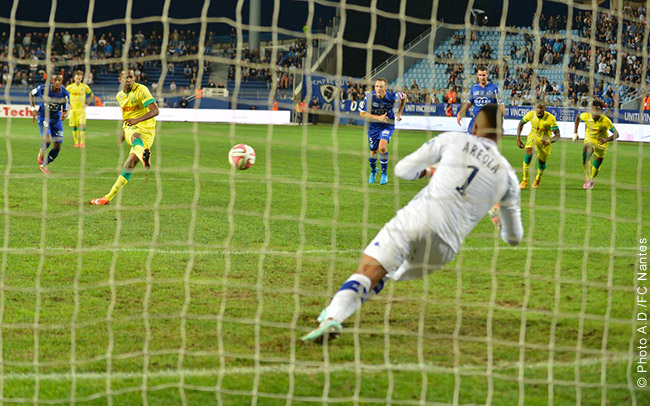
column 195, row 284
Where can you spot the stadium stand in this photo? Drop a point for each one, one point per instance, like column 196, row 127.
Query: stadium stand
column 429, row 79
column 180, row 77
column 426, row 81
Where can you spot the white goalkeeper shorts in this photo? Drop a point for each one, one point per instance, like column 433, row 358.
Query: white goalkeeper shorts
column 408, row 248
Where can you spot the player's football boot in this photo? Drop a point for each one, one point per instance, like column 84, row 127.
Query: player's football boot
column 373, row 176
column 536, row 183
column 495, row 215
column 76, row 145
column 39, row 158
column 328, row 330
column 146, row 158
column 589, row 184
column 44, row 169
column 82, row 145
column 100, row 201
column 384, row 179
column 523, row 184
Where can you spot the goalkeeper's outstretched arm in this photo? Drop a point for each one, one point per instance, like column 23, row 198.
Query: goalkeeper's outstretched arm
column 512, row 231
column 417, row 164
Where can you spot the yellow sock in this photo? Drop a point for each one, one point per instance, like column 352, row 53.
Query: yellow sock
column 75, row 136
column 594, row 171
column 83, row 136
column 589, row 168
column 539, row 175
column 526, row 166
column 138, row 150
column 119, row 184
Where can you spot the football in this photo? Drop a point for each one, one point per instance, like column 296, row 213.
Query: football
column 241, row 156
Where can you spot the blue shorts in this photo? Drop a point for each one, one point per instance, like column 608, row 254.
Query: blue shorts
column 375, row 136
column 54, row 128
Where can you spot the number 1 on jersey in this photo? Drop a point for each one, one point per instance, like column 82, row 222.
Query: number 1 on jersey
column 462, row 189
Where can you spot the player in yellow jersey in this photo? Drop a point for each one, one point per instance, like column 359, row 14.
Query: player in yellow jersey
column 596, row 140
column 80, row 96
column 543, row 124
column 139, row 129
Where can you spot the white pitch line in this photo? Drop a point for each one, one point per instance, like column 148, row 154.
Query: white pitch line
column 286, row 368
column 33, row 250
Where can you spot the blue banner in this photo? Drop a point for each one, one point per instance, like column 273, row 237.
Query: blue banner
column 325, row 90
column 560, row 113
column 569, row 114
column 512, row 112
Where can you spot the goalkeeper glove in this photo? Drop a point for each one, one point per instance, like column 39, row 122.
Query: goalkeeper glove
column 495, row 215
column 575, row 137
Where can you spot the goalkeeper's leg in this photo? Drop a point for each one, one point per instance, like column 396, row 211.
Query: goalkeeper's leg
column 365, row 283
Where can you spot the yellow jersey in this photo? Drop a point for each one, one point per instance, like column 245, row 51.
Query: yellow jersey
column 541, row 127
column 78, row 95
column 134, row 104
column 596, row 129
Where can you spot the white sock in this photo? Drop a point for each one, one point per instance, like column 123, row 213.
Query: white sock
column 375, row 291
column 349, row 298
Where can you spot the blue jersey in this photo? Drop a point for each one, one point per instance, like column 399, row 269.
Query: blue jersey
column 374, row 105
column 53, row 102
column 479, row 96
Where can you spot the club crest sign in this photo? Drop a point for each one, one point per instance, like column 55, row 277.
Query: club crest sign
column 327, row 92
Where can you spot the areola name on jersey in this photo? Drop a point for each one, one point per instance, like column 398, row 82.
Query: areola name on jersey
column 478, row 152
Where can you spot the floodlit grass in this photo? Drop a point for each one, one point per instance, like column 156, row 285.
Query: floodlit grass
column 195, row 284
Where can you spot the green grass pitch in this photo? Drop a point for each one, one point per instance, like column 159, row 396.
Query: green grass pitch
column 194, row 286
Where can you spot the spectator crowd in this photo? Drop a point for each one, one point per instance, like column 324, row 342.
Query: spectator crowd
column 593, row 64
column 521, row 85
column 68, row 50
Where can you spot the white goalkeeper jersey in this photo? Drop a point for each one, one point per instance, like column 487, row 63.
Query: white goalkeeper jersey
column 471, row 177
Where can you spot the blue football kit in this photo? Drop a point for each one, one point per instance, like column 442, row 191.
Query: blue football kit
column 378, row 131
column 479, row 96
column 49, row 110
column 374, row 105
